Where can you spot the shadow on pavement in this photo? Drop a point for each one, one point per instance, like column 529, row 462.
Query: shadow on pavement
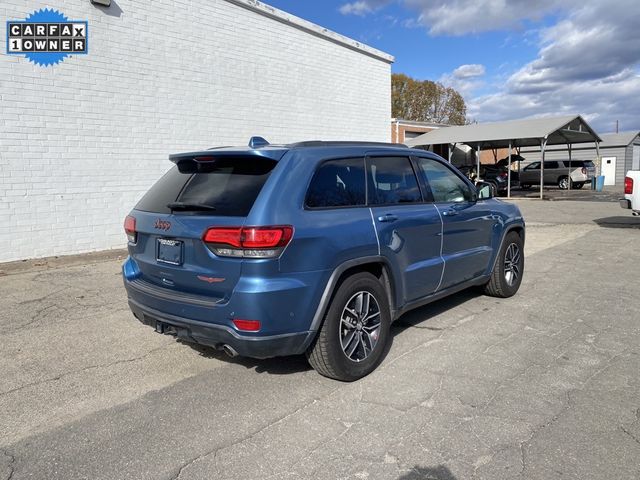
column 428, row 473
column 618, row 222
column 420, row 316
column 296, row 364
column 273, row 366
column 579, row 195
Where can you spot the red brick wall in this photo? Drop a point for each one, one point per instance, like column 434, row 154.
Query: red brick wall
column 398, row 131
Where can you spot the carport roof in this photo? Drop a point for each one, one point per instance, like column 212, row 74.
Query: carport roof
column 518, row 133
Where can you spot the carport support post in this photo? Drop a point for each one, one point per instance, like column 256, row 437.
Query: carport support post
column 509, row 173
column 570, row 166
column 478, row 164
column 543, row 145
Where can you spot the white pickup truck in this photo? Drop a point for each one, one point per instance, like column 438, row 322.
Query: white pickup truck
column 631, row 198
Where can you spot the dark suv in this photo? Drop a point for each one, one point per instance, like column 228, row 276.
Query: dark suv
column 312, row 248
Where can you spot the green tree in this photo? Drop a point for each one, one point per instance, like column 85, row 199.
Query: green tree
column 426, row 101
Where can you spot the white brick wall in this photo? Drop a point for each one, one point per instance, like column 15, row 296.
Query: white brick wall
column 81, row 141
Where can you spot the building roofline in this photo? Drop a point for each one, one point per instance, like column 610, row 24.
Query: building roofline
column 312, row 28
column 417, row 123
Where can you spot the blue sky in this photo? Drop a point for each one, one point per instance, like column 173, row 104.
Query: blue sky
column 509, row 58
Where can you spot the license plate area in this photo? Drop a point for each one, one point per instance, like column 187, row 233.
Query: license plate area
column 169, row 251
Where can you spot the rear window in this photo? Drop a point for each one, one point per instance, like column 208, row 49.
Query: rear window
column 230, row 185
column 579, row 164
column 573, row 163
column 338, row 183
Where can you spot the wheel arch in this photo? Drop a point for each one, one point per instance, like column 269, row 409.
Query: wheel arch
column 376, row 265
column 517, row 227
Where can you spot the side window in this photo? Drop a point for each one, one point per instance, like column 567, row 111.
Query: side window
column 551, row 165
column 533, row 166
column 338, row 183
column 444, row 184
column 391, row 181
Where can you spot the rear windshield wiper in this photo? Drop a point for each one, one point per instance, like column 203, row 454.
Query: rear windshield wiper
column 185, row 206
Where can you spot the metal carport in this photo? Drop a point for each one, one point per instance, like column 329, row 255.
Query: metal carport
column 565, row 130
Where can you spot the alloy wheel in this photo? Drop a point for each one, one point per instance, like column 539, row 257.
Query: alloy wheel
column 360, row 326
column 512, row 264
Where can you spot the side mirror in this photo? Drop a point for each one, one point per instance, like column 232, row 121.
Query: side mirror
column 485, row 190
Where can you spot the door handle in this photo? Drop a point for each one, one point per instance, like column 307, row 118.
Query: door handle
column 389, row 217
column 450, row 213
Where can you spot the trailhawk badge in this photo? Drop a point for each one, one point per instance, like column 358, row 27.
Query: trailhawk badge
column 46, row 37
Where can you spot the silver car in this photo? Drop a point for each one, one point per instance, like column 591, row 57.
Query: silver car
column 558, row 172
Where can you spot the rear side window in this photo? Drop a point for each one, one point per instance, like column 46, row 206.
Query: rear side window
column 338, row 183
column 392, row 181
column 229, row 185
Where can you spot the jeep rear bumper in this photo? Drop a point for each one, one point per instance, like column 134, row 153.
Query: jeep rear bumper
column 217, row 336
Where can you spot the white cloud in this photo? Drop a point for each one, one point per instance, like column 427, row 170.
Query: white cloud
column 461, row 17
column 469, row 71
column 601, row 102
column 587, row 64
column 362, row 7
column 466, row 79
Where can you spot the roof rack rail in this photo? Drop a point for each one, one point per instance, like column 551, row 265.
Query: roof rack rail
column 342, row 143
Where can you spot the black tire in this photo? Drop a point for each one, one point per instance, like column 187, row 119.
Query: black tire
column 525, row 186
column 563, row 182
column 501, row 284
column 326, row 354
column 577, row 186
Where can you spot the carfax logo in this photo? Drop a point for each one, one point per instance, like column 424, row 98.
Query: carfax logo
column 47, row 37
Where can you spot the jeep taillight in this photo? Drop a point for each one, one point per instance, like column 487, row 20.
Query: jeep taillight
column 130, row 228
column 628, row 185
column 248, row 242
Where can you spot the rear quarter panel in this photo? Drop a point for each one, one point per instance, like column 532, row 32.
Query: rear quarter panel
column 323, row 238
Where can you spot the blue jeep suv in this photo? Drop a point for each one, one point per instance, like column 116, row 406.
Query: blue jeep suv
column 314, row 247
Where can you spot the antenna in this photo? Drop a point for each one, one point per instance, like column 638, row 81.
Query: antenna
column 257, row 142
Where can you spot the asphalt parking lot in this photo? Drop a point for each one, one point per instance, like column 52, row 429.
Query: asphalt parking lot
column 544, row 385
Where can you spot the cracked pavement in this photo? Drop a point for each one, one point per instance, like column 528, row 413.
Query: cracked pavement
column 541, row 386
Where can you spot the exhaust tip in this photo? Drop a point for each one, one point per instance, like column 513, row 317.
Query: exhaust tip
column 229, row 350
